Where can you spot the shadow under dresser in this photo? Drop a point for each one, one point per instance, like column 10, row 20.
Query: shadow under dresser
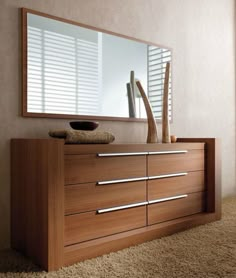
column 73, row 202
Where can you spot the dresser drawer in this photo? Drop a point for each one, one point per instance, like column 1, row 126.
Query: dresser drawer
column 91, row 225
column 165, row 187
column 88, row 197
column 159, row 164
column 167, row 210
column 91, row 168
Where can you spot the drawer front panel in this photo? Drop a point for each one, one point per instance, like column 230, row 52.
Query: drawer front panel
column 87, row 197
column 91, row 168
column 90, row 225
column 164, row 211
column 162, row 188
column 193, row 160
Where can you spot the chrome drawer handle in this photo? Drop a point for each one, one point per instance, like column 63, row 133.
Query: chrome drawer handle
column 167, row 176
column 167, row 199
column 168, row 152
column 121, row 154
column 140, row 153
column 99, row 211
column 121, row 181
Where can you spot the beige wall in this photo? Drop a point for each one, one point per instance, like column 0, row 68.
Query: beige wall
column 201, row 34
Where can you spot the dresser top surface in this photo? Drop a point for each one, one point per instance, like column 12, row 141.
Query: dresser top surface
column 95, row 148
column 192, row 144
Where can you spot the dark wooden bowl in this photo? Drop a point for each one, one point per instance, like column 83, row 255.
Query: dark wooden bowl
column 84, row 125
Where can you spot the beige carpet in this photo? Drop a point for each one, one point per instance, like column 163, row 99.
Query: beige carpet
column 206, row 251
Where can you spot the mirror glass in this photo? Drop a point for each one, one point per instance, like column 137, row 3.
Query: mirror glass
column 76, row 71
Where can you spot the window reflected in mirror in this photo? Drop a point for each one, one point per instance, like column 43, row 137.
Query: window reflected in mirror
column 77, row 71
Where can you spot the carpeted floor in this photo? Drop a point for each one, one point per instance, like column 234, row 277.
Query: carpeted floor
column 206, row 251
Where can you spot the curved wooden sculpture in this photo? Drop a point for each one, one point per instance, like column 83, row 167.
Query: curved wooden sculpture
column 152, row 128
column 165, row 108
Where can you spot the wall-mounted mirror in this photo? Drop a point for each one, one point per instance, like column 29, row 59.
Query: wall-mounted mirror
column 71, row 70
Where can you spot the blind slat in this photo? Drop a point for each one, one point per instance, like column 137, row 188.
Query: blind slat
column 63, row 73
column 157, row 58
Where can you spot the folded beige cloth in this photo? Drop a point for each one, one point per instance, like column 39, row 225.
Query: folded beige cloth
column 83, row 136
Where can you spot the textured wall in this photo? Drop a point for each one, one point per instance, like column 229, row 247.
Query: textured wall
column 201, row 34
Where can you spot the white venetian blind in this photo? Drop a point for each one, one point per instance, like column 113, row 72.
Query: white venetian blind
column 63, row 73
column 157, row 58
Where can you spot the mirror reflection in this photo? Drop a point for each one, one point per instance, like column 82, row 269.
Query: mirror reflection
column 72, row 70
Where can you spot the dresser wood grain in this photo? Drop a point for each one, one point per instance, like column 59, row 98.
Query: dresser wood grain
column 37, row 200
column 90, row 196
column 72, row 202
column 90, row 225
column 193, row 160
column 169, row 210
column 91, row 168
column 166, row 187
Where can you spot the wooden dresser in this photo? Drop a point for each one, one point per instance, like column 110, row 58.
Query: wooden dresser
column 72, row 202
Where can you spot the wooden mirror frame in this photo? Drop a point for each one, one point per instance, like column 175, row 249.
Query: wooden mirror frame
column 25, row 113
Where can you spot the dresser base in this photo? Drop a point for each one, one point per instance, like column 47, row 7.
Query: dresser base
column 93, row 248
